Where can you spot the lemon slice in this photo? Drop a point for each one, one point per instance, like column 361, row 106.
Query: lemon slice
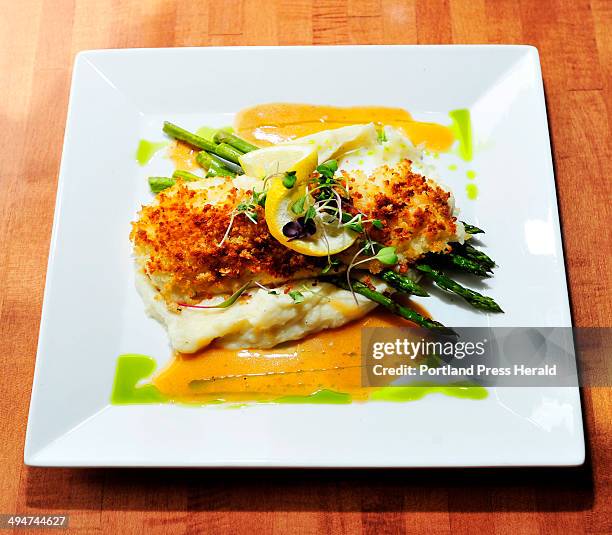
column 331, row 144
column 261, row 163
column 328, row 238
column 303, row 159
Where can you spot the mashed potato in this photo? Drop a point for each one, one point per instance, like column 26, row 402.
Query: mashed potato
column 260, row 320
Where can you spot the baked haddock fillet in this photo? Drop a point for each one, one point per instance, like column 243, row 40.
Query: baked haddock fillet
column 177, row 237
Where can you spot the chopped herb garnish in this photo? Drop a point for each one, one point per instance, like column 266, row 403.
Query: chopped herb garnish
column 270, row 291
column 382, row 136
column 297, row 297
column 377, row 223
column 289, row 179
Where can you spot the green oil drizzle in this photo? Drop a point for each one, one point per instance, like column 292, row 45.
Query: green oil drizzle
column 133, row 368
column 471, row 174
column 452, row 167
column 462, row 128
column 237, row 406
column 472, row 191
column 146, row 149
column 416, row 392
column 322, row 396
column 130, row 370
column 208, row 132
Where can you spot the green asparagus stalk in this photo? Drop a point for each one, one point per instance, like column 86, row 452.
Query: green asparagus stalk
column 478, row 256
column 223, row 150
column 389, row 304
column 213, row 166
column 180, row 133
column 473, row 298
column 227, row 152
column 186, row 175
column 221, row 136
column 402, row 283
column 160, row 183
column 228, row 165
column 461, row 262
column 471, row 229
column 204, row 160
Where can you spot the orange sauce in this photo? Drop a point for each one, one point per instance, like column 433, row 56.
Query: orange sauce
column 183, row 155
column 327, row 360
column 267, row 124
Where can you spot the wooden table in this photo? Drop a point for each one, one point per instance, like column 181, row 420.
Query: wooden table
column 38, row 40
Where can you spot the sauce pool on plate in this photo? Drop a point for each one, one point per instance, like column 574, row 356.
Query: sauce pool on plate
column 328, row 360
column 268, row 124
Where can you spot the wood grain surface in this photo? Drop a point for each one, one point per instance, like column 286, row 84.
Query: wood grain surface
column 38, row 41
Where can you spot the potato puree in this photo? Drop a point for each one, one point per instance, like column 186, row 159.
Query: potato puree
column 260, row 320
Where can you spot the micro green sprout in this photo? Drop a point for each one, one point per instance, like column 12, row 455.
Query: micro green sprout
column 289, row 179
column 385, row 255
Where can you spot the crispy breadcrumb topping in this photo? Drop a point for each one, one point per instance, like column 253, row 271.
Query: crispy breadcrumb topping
column 176, row 238
column 176, row 241
column 416, row 213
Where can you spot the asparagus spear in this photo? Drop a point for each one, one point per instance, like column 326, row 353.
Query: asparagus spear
column 221, row 136
column 473, row 298
column 186, row 175
column 402, row 283
column 228, row 153
column 469, row 265
column 405, row 312
column 180, row 133
column 471, row 229
column 476, row 255
column 204, row 160
column 160, row 183
column 213, row 166
column 461, row 262
column 234, row 168
column 225, row 151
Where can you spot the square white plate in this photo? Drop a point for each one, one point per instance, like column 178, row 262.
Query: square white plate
column 92, row 314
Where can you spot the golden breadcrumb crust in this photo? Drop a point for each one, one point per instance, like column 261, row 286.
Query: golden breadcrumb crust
column 176, row 237
column 176, row 241
column 416, row 213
